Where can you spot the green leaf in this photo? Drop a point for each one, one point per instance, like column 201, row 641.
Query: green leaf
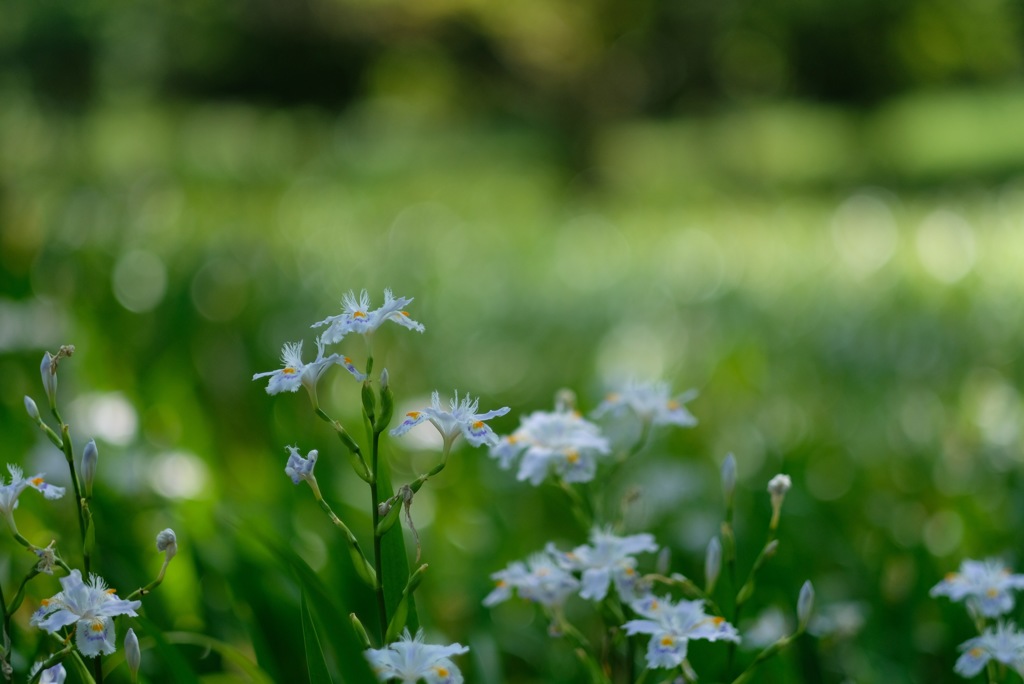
column 324, row 610
column 228, row 652
column 393, row 555
column 81, row 668
column 315, row 661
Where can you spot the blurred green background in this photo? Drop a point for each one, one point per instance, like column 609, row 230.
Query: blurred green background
column 813, row 212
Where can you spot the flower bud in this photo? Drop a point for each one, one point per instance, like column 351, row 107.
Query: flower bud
column 167, row 542
column 712, row 564
column 777, row 487
column 387, row 402
column 360, row 631
column 805, row 604
column 32, row 409
column 664, row 560
column 90, row 456
column 729, row 477
column 369, row 401
column 132, row 654
column 48, row 372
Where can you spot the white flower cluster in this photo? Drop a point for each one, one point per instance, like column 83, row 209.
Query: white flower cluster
column 355, row 317
column 567, row 445
column 550, row 578
column 986, row 587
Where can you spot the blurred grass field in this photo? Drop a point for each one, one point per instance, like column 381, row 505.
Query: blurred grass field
column 844, row 291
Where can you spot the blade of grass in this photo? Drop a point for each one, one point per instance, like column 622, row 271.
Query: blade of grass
column 315, row 661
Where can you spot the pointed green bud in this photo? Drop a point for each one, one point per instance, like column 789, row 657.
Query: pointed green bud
column 90, row 457
column 387, row 403
column 369, row 401
column 360, row 631
column 389, row 515
column 415, row 579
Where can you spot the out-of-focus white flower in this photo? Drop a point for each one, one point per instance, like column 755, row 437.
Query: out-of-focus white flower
column 90, row 607
column 651, row 402
column 608, row 558
column 410, row 660
column 985, row 585
column 673, row 625
column 356, row 316
column 10, row 492
column 1004, row 644
column 51, row 675
column 559, row 440
column 540, row 580
column 460, row 418
column 297, row 374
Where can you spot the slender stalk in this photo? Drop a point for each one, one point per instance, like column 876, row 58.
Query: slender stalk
column 5, row 634
column 378, row 565
column 69, row 454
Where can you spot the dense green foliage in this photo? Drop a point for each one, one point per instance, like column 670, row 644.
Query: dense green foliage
column 843, row 286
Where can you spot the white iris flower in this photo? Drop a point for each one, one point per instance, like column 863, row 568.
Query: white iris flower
column 356, row 316
column 559, row 440
column 10, row 492
column 540, row 580
column 410, row 660
column 986, row 586
column 460, row 418
column 1003, row 644
column 651, row 402
column 608, row 558
column 90, row 607
column 672, row 626
column 295, row 373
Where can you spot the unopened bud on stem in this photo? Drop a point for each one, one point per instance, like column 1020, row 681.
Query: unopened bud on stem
column 132, row 654
column 90, row 458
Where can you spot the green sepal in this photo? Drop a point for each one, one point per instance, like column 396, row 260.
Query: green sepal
column 358, row 465
column 414, row 580
column 369, row 401
column 363, row 567
column 387, row 409
column 389, row 520
column 347, row 440
column 397, row 623
column 745, row 592
column 728, row 543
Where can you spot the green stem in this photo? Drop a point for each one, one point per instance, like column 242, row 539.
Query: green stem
column 19, row 597
column 378, row 565
column 69, row 454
